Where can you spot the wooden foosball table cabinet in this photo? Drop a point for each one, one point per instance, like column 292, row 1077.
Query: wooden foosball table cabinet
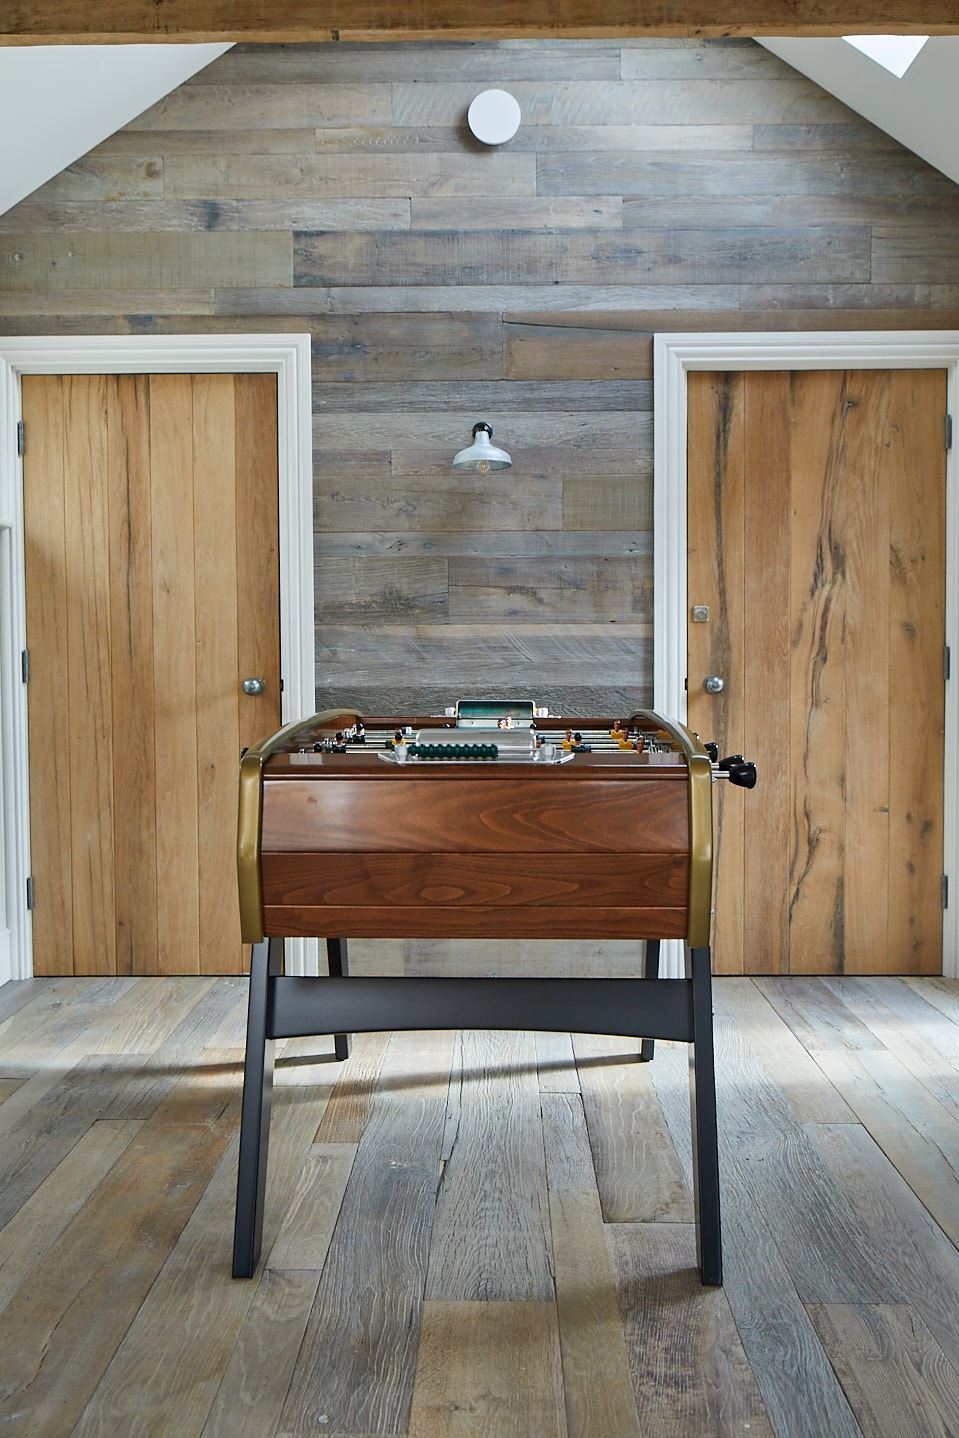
column 477, row 825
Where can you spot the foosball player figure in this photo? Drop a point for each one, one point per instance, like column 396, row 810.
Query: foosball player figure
column 358, row 735
column 620, row 734
column 577, row 746
column 339, row 746
column 568, row 739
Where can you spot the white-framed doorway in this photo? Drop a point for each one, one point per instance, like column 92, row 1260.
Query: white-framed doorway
column 674, row 356
column 285, row 355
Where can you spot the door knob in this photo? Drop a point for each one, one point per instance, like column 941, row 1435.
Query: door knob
column 713, row 684
column 253, row 686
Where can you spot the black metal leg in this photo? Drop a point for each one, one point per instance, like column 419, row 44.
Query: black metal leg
column 266, row 962
column 702, row 1097
column 339, row 968
column 651, row 971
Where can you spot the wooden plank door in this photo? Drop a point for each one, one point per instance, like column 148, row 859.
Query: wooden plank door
column 816, row 540
column 150, row 514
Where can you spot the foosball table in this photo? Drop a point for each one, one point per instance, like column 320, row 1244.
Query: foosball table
column 494, row 820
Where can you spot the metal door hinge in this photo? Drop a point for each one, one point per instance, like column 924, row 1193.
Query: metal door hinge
column 21, row 437
column 946, row 662
column 948, row 431
column 30, row 892
column 25, row 666
column 945, row 891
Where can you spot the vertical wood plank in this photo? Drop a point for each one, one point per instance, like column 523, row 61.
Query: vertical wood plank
column 131, row 647
column 815, row 481
column 488, row 1368
column 766, row 679
column 174, row 668
column 218, row 692
column 257, row 552
column 49, row 707
column 870, row 475
column 716, row 578
column 916, row 620
column 88, row 672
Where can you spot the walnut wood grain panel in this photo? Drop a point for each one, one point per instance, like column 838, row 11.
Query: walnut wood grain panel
column 397, row 19
column 482, row 880
column 473, row 922
column 474, row 815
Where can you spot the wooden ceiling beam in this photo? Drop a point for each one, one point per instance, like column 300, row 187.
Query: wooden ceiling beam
column 34, row 22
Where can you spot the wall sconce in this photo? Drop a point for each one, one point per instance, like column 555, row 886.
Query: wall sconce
column 494, row 116
column 482, row 456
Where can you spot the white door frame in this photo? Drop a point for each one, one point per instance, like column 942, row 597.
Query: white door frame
column 674, row 356
column 285, row 355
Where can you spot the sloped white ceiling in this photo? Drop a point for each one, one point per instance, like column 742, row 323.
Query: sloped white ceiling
column 58, row 101
column 921, row 110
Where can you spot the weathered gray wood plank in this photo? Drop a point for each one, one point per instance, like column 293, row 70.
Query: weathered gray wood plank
column 793, row 173
column 43, row 213
column 64, row 1328
column 796, row 1381
column 690, row 1375
column 251, row 1393
column 567, row 589
column 296, row 106
column 560, row 394
column 195, row 1310
column 490, row 1237
column 356, row 1365
column 380, row 591
column 690, row 102
column 314, row 177
column 916, row 1249
column 568, row 257
column 520, row 544
column 637, row 1170
column 891, row 1368
column 481, row 298
column 86, row 260
column 498, row 1363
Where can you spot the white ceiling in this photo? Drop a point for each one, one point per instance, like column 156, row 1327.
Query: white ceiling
column 921, row 110
column 59, row 101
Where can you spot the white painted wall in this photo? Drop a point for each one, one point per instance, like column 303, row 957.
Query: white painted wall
column 58, row 101
column 921, row 110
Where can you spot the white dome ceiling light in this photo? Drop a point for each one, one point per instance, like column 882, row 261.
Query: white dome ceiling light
column 494, row 116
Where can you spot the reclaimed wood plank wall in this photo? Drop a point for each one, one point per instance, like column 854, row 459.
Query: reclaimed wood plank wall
column 653, row 185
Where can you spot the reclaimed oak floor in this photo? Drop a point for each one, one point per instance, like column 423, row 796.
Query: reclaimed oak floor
column 479, row 1233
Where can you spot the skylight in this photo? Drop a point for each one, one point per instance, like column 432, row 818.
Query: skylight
column 893, row 52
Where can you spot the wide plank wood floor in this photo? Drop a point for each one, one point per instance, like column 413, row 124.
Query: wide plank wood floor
column 479, row 1233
